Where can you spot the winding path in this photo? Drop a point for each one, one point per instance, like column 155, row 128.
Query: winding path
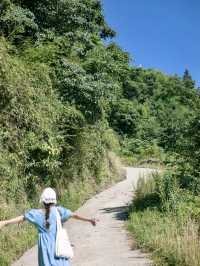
column 108, row 243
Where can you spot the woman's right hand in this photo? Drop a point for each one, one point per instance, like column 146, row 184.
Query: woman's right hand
column 2, row 224
column 93, row 222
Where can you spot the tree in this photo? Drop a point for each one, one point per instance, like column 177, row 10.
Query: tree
column 187, row 79
column 125, row 117
column 17, row 23
column 63, row 16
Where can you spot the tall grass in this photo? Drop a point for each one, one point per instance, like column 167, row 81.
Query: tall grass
column 162, row 222
column 171, row 240
column 15, row 239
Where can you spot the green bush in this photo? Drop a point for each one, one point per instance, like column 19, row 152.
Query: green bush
column 137, row 151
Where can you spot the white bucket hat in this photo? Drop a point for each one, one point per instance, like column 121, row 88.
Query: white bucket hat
column 48, row 196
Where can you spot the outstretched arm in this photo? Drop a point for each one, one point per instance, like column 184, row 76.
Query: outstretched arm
column 78, row 217
column 16, row 220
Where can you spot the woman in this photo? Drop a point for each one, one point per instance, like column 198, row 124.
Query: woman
column 45, row 221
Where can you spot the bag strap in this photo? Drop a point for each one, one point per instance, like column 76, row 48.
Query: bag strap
column 58, row 220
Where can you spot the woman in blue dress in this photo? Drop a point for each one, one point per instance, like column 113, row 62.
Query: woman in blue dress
column 45, row 221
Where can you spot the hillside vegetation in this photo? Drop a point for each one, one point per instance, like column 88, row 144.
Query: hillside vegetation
column 69, row 102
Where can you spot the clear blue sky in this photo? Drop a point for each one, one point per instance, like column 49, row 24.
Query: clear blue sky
column 161, row 34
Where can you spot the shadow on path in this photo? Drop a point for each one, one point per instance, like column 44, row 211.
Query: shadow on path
column 121, row 213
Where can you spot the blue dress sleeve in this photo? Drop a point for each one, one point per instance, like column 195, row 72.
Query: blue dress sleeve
column 64, row 213
column 31, row 216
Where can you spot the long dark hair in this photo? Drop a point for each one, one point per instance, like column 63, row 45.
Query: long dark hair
column 47, row 213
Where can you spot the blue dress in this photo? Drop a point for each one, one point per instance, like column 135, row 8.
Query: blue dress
column 47, row 237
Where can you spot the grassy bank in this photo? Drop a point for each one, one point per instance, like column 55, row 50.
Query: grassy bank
column 172, row 241
column 166, row 225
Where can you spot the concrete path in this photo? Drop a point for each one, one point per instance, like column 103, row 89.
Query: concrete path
column 107, row 244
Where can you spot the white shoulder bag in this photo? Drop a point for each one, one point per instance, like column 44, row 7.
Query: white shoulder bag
column 63, row 246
